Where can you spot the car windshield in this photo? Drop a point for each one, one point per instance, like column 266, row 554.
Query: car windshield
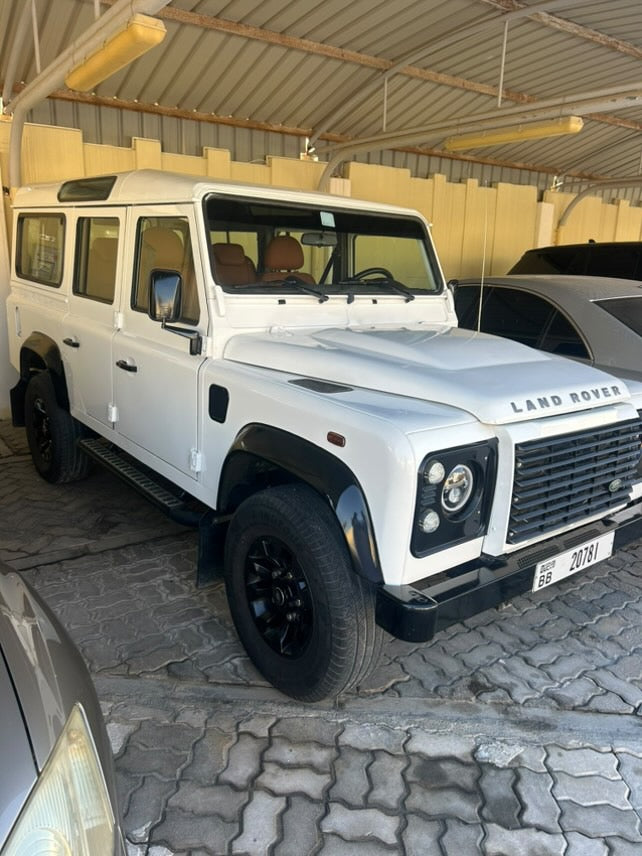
column 271, row 247
column 628, row 310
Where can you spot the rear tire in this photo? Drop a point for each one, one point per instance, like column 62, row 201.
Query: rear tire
column 53, row 434
column 304, row 616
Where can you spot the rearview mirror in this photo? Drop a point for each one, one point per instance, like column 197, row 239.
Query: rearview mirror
column 165, row 289
column 319, row 239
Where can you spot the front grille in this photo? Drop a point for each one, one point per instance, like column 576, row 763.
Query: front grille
column 566, row 479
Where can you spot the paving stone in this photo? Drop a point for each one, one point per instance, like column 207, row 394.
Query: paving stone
column 503, row 754
column 583, row 762
column 222, row 800
column 244, row 761
column 299, row 754
column 591, row 790
column 259, row 824
column 146, row 807
column 540, row 808
column 388, row 785
column 180, row 831
column 176, row 737
column 580, row 845
column 360, row 824
column 300, row 823
column 441, row 745
column 500, row 803
column 461, row 838
column 600, row 821
column 333, row 845
column 620, row 847
column 442, row 773
column 288, row 780
column 421, row 836
column 629, row 692
column 119, row 733
column 444, row 802
column 500, row 842
column 137, row 761
column 258, row 724
column 352, row 782
column 630, row 768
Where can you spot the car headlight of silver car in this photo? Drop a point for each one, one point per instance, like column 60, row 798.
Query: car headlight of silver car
column 69, row 810
column 454, row 494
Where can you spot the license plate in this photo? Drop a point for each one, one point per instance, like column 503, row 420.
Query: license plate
column 558, row 567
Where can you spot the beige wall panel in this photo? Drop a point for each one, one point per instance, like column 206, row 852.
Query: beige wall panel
column 51, row 154
column 515, row 218
column 606, row 215
column 186, row 164
column 250, row 173
column 449, row 207
column 147, row 153
column 301, row 174
column 8, row 375
column 218, row 163
column 379, row 183
column 545, row 225
column 420, row 194
column 628, row 224
column 105, row 159
column 479, row 229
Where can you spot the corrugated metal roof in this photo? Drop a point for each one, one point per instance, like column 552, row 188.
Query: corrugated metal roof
column 290, row 65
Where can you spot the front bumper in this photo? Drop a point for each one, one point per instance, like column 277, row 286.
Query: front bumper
column 416, row 612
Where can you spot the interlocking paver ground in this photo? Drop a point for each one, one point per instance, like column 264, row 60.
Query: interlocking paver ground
column 514, row 732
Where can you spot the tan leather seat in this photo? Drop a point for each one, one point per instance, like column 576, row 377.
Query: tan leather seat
column 162, row 249
column 284, row 256
column 231, row 265
column 101, row 269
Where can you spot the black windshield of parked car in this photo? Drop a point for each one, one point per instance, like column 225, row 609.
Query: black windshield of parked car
column 628, row 310
column 270, row 247
column 622, row 260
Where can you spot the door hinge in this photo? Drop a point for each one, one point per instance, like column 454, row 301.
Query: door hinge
column 112, row 413
column 195, row 461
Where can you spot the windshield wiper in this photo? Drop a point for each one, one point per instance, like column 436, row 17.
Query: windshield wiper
column 392, row 284
column 306, row 289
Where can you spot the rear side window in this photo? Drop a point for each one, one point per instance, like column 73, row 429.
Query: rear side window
column 40, row 248
column 563, row 259
column 628, row 310
column 96, row 254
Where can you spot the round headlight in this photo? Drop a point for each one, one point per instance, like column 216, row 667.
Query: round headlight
column 457, row 489
column 429, row 522
column 434, row 473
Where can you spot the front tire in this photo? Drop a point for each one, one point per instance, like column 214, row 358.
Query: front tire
column 53, row 434
column 304, row 616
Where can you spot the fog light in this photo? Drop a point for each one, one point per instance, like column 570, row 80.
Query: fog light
column 434, row 473
column 429, row 522
column 457, row 488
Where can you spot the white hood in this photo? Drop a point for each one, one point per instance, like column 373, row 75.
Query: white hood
column 497, row 380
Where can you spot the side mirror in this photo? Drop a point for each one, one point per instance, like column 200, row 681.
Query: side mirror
column 165, row 287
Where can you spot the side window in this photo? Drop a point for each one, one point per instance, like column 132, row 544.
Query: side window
column 467, row 306
column 517, row 315
column 562, row 338
column 163, row 243
column 40, row 248
column 96, row 253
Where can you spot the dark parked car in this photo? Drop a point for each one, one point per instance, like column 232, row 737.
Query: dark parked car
column 619, row 259
column 57, row 793
column 593, row 319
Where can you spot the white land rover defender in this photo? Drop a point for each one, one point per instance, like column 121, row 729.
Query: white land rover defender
column 284, row 370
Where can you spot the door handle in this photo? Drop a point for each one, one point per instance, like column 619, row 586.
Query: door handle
column 73, row 343
column 128, row 367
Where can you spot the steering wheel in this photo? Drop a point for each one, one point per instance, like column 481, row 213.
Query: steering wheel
column 362, row 274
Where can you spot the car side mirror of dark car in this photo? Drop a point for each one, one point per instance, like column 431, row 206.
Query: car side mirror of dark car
column 165, row 292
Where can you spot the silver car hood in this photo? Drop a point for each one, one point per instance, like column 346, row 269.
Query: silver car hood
column 496, row 380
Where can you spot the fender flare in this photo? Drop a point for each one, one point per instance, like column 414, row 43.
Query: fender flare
column 257, row 445
column 40, row 352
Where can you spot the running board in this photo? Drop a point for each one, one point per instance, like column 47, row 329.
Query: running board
column 171, row 500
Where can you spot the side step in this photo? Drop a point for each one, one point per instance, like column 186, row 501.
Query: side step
column 175, row 503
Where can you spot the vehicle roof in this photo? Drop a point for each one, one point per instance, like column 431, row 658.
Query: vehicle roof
column 581, row 244
column 577, row 287
column 149, row 186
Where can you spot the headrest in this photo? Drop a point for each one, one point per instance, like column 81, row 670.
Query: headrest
column 166, row 246
column 283, row 253
column 229, row 254
column 105, row 248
